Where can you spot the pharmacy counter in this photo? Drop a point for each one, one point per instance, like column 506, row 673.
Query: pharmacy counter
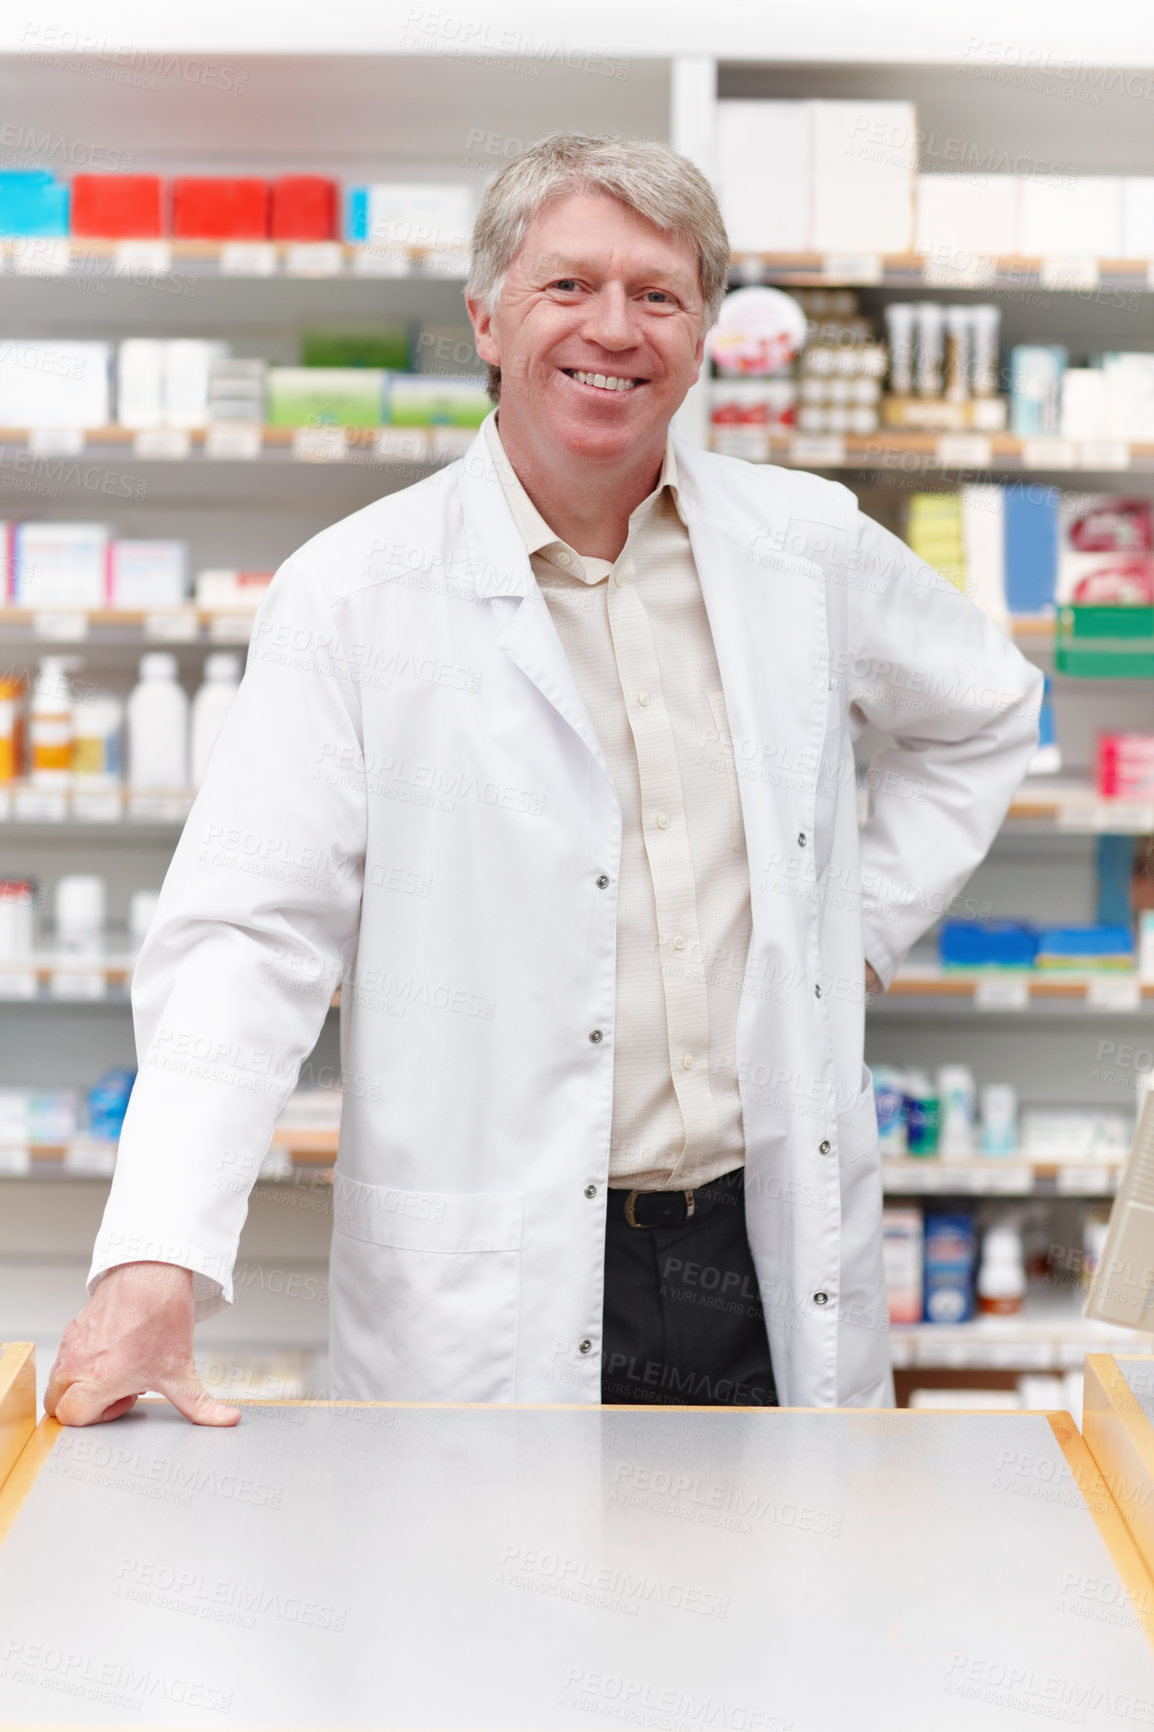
column 1118, row 1423
column 686, row 1570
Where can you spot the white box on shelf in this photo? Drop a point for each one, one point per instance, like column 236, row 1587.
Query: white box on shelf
column 60, row 565
column 1138, row 217
column 968, row 215
column 147, row 574
column 140, row 382
column 232, row 590
column 186, row 374
column 1076, row 217
column 54, row 383
column 1130, row 395
column 864, row 161
column 764, row 172
column 415, row 215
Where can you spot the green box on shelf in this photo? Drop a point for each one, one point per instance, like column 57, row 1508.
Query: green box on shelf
column 389, row 348
column 1105, row 643
column 325, row 396
column 430, row 400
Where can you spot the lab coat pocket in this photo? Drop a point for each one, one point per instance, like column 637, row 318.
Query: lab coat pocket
column 426, row 1293
column 857, row 1126
column 725, row 747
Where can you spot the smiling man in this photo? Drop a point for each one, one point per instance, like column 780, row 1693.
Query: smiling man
column 607, row 1132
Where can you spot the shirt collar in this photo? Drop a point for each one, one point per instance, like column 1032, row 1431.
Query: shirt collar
column 534, row 531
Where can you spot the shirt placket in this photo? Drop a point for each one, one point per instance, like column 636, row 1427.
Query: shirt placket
column 666, row 838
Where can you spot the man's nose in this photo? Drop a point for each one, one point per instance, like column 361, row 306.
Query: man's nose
column 610, row 321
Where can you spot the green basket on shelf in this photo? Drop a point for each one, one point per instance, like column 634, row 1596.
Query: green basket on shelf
column 1105, row 643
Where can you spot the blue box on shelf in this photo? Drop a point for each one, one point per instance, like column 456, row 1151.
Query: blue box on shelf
column 987, row 944
column 33, row 203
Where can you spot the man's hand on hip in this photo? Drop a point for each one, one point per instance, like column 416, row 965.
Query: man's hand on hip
column 134, row 1334
column 873, row 984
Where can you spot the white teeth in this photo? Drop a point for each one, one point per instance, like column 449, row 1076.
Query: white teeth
column 603, row 381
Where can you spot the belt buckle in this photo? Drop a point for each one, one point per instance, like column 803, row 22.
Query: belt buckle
column 631, row 1218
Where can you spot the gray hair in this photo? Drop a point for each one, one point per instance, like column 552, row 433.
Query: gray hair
column 646, row 176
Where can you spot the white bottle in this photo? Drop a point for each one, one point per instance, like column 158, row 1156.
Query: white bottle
column 210, row 706
column 50, row 722
column 80, row 915
column 959, row 1112
column 158, row 725
column 96, row 741
column 1002, row 1276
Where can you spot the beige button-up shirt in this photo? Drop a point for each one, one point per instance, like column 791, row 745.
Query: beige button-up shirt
column 637, row 637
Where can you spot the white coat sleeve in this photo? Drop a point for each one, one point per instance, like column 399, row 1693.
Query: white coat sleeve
column 256, row 920
column 959, row 704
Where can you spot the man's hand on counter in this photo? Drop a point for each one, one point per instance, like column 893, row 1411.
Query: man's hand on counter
column 134, row 1334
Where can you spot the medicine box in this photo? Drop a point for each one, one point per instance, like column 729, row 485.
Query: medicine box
column 232, row 591
column 420, row 216
column 428, row 400
column 147, row 574
column 32, row 202
column 54, row 382
column 903, row 1253
column 961, row 217
column 765, row 172
column 303, row 208
column 864, row 162
column 325, row 396
column 118, row 206
column 949, row 1268
column 220, row 208
column 60, row 565
column 1072, row 217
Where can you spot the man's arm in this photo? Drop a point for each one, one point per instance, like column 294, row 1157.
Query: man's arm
column 257, row 914
column 960, row 705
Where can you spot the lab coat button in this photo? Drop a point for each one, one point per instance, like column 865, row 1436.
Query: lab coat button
column 596, row 1036
column 823, row 1148
column 586, row 1346
column 802, row 838
column 591, row 1190
column 817, row 991
column 603, row 882
column 821, row 1298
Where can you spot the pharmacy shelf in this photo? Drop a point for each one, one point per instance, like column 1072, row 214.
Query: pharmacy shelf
column 1015, row 1175
column 143, row 261
column 926, row 990
column 934, row 271
column 915, row 453
column 291, row 1150
column 1049, row 1335
column 25, row 804
column 229, row 442
column 132, row 628
column 1075, row 808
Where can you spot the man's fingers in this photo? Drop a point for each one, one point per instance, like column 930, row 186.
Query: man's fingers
column 85, row 1404
column 189, row 1396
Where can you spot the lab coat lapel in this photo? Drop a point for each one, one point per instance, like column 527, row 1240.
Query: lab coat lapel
column 504, row 577
column 767, row 618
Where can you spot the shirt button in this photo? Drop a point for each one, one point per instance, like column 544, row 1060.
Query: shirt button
column 617, row 578
column 591, row 1190
column 821, row 1298
column 587, row 1346
column 643, row 698
column 802, row 838
column 603, row 882
column 687, row 1061
column 564, row 559
column 663, row 820
column 596, row 1036
column 679, row 941
column 823, row 1148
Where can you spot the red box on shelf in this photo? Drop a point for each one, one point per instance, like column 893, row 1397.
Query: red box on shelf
column 117, row 207
column 1126, row 766
column 220, row 209
column 304, row 208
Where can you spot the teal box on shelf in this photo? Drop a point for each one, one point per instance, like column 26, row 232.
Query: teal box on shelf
column 32, row 203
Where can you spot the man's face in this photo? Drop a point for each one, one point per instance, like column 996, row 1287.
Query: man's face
column 596, row 292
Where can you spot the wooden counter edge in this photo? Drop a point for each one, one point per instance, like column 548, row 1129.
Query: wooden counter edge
column 1121, row 1440
column 1132, row 1565
column 17, row 1402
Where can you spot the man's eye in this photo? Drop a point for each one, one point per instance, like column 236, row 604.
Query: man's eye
column 659, row 295
column 565, row 283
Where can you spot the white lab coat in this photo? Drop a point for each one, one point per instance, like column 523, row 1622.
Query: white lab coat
column 409, row 798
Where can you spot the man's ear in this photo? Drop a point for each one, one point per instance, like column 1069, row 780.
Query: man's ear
column 484, row 337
